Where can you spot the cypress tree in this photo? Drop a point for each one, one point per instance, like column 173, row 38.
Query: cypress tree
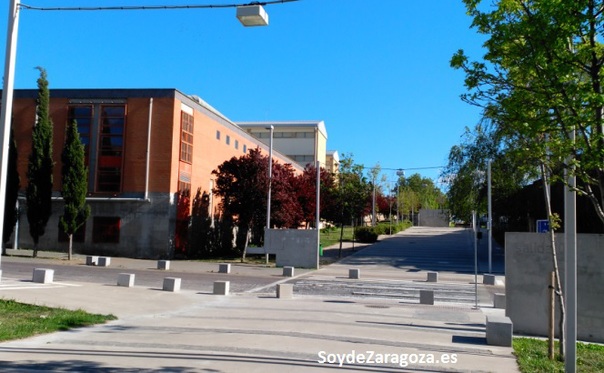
column 75, row 185
column 13, row 183
column 40, row 167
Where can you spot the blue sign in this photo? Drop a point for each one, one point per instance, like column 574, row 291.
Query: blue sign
column 542, row 226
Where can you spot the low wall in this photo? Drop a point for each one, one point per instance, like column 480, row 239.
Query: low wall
column 433, row 218
column 528, row 264
column 294, row 247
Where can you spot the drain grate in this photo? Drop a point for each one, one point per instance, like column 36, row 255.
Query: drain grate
column 376, row 306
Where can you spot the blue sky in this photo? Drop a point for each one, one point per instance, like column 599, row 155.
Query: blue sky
column 377, row 72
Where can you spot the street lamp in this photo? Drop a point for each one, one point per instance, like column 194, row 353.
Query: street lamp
column 248, row 15
column 268, row 198
column 400, row 173
column 252, row 15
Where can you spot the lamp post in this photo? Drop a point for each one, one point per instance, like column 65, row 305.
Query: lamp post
column 7, row 103
column 268, row 197
column 248, row 15
column 400, row 173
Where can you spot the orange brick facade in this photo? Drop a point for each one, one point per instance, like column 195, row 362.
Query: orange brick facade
column 133, row 213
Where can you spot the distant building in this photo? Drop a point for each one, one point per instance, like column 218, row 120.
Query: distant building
column 143, row 146
column 305, row 142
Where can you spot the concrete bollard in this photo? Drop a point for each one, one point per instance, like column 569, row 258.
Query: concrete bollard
column 43, row 275
column 221, row 287
column 285, row 291
column 92, row 260
column 171, row 284
column 354, row 273
column 488, row 279
column 426, row 297
column 288, row 271
column 432, row 277
column 163, row 264
column 500, row 330
column 224, row 268
column 499, row 300
column 104, row 261
column 125, row 279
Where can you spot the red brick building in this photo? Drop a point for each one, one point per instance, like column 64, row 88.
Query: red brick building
column 142, row 147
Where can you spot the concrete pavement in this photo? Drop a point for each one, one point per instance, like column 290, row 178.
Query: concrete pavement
column 252, row 331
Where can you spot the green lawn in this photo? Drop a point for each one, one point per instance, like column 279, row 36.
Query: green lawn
column 532, row 357
column 19, row 320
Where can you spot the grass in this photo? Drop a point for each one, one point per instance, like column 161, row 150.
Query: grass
column 532, row 357
column 331, row 236
column 20, row 320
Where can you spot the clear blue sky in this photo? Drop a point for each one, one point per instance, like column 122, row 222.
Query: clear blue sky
column 377, row 72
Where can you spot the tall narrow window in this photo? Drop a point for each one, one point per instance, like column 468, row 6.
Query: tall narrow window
column 111, row 148
column 186, row 137
column 83, row 115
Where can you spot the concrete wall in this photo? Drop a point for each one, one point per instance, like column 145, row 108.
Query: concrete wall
column 433, row 218
column 146, row 228
column 294, row 247
column 528, row 262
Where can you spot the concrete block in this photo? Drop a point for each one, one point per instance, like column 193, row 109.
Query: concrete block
column 171, row 284
column 224, row 268
column 432, row 277
column 288, row 271
column 488, row 279
column 92, row 260
column 499, row 331
column 426, row 297
column 104, row 261
column 499, row 300
column 163, row 264
column 354, row 273
column 43, row 275
column 221, row 287
column 125, row 279
column 285, row 291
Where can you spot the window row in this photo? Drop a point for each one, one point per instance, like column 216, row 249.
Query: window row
column 228, row 141
column 283, row 135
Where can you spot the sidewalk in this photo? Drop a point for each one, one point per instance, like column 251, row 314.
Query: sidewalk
column 193, row 331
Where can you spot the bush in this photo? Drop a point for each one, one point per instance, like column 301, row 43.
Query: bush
column 366, row 234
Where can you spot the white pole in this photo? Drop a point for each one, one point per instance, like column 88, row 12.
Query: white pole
column 318, row 209
column 490, row 219
column 570, row 269
column 268, row 199
column 7, row 103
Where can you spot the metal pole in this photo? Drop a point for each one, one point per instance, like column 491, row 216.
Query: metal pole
column 318, row 210
column 268, row 199
column 490, row 219
column 475, row 259
column 7, row 103
column 570, row 268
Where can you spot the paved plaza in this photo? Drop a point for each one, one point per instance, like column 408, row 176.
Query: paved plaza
column 371, row 324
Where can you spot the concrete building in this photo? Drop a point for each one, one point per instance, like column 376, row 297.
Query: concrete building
column 305, row 142
column 143, row 146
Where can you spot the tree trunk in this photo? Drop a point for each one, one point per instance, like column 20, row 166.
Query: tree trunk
column 35, row 254
column 341, row 238
column 69, row 252
column 552, row 236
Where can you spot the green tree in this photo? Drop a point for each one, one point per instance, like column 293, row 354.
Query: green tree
column 540, row 82
column 40, row 167
column 13, row 183
column 75, row 185
column 353, row 192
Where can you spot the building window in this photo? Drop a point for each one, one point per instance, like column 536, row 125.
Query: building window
column 236, row 144
column 245, row 148
column 111, row 148
column 228, row 140
column 186, row 137
column 106, row 229
column 78, row 236
column 217, row 135
column 84, row 116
